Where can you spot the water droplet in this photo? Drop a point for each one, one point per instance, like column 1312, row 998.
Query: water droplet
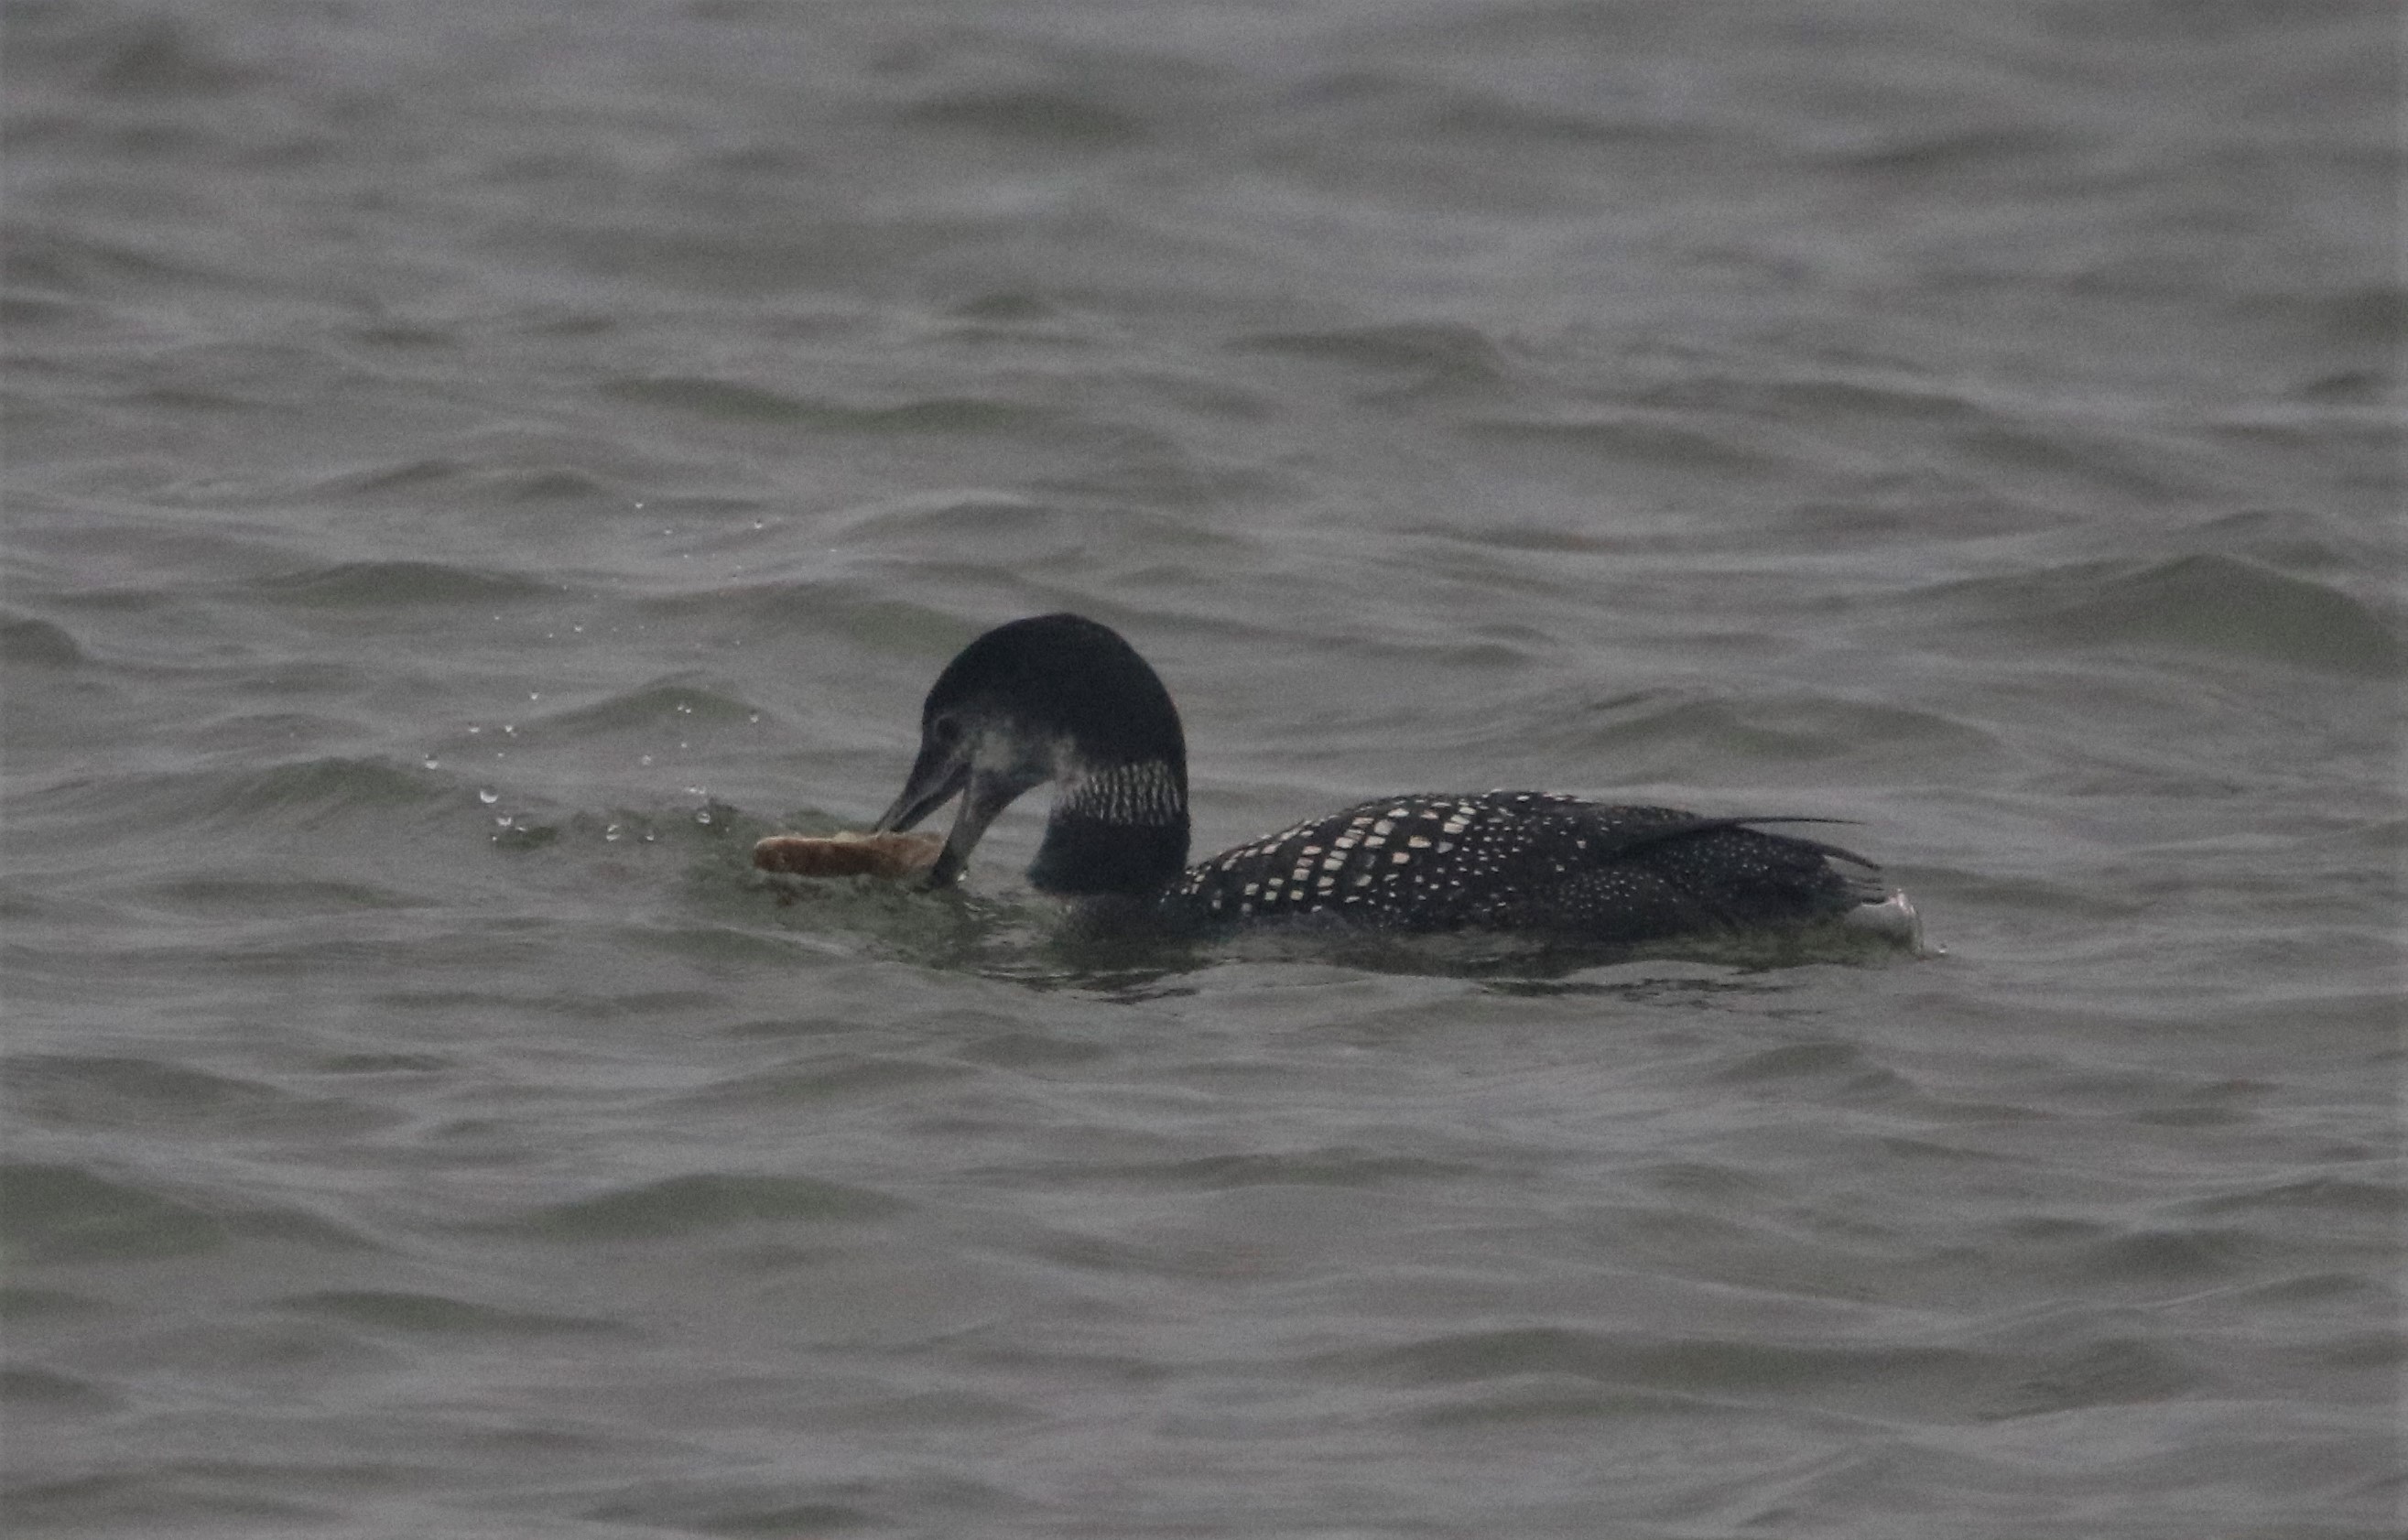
column 433, row 763
column 611, row 833
column 474, row 732
column 510, row 726
column 644, row 759
column 702, row 815
column 684, row 710
column 504, row 820
column 754, row 718
column 534, row 694
column 488, row 796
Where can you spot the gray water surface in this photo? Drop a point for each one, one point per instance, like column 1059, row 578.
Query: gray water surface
column 473, row 468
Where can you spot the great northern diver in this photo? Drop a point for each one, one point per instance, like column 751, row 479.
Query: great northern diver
column 1064, row 698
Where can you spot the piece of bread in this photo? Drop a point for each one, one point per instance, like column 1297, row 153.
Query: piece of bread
column 847, row 855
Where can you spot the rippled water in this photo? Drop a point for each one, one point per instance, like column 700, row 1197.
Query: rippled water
column 471, row 469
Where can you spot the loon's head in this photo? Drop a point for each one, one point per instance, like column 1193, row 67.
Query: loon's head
column 1062, row 699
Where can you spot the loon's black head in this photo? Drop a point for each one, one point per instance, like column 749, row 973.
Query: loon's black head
column 1055, row 697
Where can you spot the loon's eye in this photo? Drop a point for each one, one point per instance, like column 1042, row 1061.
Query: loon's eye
column 944, row 734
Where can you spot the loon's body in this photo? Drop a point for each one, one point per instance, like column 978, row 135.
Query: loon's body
column 1063, row 698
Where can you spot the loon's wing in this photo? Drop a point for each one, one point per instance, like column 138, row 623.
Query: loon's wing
column 1658, row 871
column 1629, row 837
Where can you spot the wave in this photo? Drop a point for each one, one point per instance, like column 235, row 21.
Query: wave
column 59, row 1213
column 685, row 1205
column 362, row 584
column 2204, row 602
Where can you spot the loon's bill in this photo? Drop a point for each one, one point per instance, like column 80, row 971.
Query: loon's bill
column 1063, row 698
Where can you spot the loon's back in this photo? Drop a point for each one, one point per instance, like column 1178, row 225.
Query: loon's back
column 1525, row 860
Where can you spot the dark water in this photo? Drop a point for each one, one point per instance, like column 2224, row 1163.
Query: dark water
column 471, row 469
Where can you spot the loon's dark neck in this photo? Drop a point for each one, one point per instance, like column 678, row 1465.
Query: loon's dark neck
column 1122, row 831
